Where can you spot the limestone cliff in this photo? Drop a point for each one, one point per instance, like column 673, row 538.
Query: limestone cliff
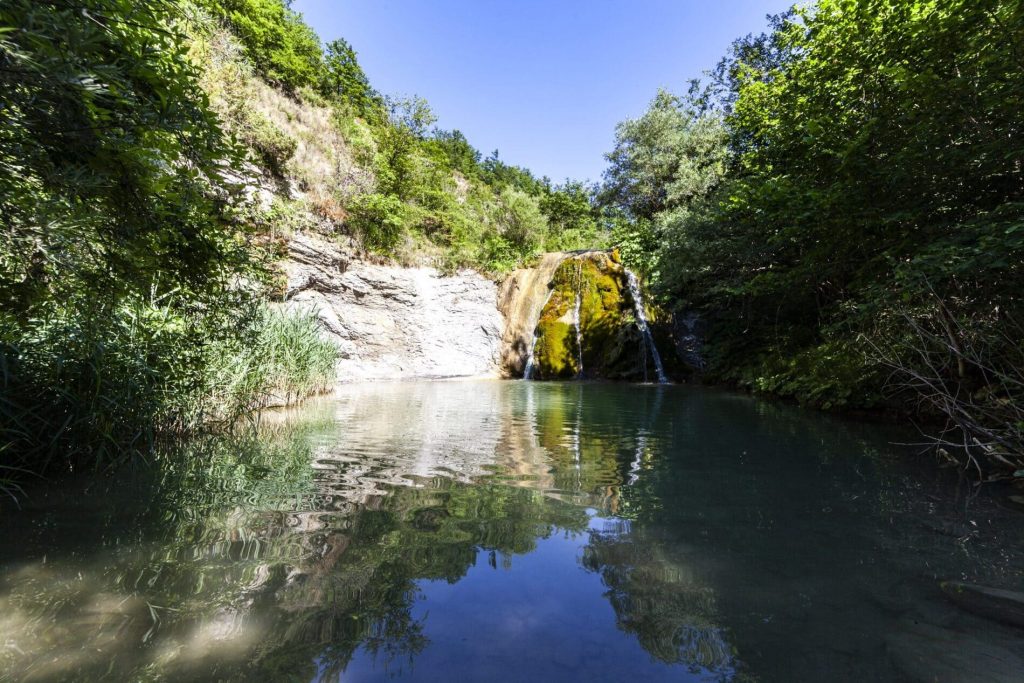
column 391, row 322
column 573, row 315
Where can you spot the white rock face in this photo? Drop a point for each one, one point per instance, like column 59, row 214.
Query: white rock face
column 395, row 323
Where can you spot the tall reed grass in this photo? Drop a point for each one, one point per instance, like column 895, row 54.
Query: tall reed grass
column 286, row 361
column 88, row 391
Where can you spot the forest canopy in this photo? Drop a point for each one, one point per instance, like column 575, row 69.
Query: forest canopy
column 843, row 198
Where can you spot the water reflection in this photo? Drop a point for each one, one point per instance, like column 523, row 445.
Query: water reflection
column 505, row 530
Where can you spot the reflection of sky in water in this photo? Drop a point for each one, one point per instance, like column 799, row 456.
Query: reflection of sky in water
column 502, row 531
column 539, row 618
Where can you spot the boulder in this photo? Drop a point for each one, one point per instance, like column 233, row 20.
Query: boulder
column 927, row 653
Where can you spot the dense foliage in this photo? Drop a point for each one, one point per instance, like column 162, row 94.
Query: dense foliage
column 861, row 210
column 137, row 144
column 423, row 193
column 275, row 38
column 843, row 201
column 122, row 253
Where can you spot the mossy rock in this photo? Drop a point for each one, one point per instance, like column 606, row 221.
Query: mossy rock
column 612, row 345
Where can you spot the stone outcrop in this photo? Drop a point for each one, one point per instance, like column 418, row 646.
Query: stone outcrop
column 521, row 298
column 926, row 652
column 573, row 315
column 589, row 326
column 391, row 322
column 994, row 603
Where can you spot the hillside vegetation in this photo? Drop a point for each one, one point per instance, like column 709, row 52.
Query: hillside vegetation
column 843, row 199
column 154, row 158
column 352, row 161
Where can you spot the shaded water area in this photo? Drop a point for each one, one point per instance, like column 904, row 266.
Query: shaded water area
column 512, row 531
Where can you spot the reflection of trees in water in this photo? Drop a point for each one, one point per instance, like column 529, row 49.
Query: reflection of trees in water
column 599, row 451
column 665, row 606
column 278, row 556
column 363, row 596
column 606, row 448
column 597, row 448
column 325, row 585
column 347, row 561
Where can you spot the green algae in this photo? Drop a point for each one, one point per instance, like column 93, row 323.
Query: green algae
column 612, row 346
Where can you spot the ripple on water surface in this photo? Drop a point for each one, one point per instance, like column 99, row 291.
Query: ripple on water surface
column 514, row 531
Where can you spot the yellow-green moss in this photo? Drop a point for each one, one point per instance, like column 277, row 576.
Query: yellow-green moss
column 555, row 352
column 612, row 346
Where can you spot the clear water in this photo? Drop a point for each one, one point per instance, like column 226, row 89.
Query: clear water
column 508, row 531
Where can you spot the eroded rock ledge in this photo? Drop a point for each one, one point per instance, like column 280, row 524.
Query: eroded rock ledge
column 395, row 323
column 572, row 315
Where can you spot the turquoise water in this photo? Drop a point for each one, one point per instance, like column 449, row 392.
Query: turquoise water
column 509, row 531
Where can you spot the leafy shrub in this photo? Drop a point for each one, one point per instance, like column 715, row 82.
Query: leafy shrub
column 124, row 248
column 283, row 47
column 378, row 220
column 92, row 390
column 272, row 145
column 520, row 219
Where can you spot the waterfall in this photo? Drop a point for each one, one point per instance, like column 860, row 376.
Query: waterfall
column 521, row 300
column 528, row 370
column 576, row 319
column 641, row 322
column 526, row 294
column 579, row 335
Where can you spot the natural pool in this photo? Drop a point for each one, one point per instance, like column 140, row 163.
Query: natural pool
column 520, row 531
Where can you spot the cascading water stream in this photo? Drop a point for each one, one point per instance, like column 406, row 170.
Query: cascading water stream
column 528, row 370
column 579, row 335
column 576, row 319
column 641, row 322
column 526, row 300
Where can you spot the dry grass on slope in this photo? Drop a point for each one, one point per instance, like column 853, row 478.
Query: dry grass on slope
column 295, row 138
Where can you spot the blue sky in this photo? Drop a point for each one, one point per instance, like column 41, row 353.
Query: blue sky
column 543, row 81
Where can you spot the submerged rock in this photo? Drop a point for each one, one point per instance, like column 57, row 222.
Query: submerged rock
column 391, row 322
column 993, row 603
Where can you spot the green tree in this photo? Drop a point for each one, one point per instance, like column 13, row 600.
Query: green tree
column 573, row 219
column 869, row 198
column 458, row 153
column 345, row 79
column 520, row 220
column 277, row 41
column 663, row 172
column 497, row 174
column 111, row 160
column 398, row 143
column 120, row 243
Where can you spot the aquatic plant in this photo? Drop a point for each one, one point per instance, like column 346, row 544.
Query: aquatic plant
column 96, row 391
